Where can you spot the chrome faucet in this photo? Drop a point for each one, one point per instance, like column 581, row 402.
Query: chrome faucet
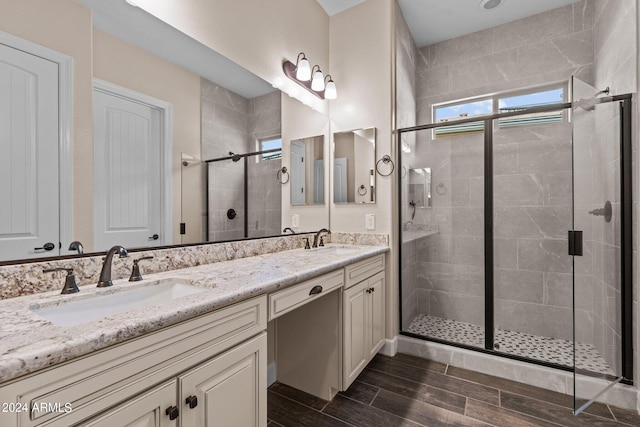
column 105, row 274
column 317, row 236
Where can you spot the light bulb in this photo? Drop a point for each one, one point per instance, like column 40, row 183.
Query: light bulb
column 330, row 91
column 303, row 70
column 317, row 83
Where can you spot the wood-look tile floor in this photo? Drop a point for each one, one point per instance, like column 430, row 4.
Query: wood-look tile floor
column 410, row 391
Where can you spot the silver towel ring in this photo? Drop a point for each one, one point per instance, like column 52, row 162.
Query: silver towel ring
column 280, row 175
column 362, row 190
column 386, row 159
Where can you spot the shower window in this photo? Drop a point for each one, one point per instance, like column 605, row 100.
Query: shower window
column 270, row 144
column 499, row 103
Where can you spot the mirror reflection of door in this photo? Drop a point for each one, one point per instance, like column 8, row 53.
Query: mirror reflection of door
column 127, row 182
column 29, row 212
column 318, row 181
column 298, row 185
column 340, row 180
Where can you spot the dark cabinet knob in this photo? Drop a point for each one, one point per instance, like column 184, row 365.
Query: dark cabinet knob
column 192, row 401
column 154, row 237
column 46, row 247
column 173, row 412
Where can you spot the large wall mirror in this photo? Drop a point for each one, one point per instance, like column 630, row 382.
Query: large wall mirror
column 307, row 171
column 354, row 163
column 170, row 142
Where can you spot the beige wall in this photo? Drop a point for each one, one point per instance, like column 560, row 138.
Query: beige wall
column 120, row 63
column 298, row 122
column 361, row 64
column 257, row 35
column 64, row 26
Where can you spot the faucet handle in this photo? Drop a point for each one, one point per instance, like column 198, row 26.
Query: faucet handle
column 135, row 271
column 321, row 241
column 70, row 286
column 306, row 243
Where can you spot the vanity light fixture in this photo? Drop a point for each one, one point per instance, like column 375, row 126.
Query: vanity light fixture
column 301, row 73
column 303, row 69
column 330, row 91
column 317, row 83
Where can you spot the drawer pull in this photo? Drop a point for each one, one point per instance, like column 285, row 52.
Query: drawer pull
column 173, row 412
column 315, row 290
column 192, row 401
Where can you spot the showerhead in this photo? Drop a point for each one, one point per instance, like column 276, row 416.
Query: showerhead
column 236, row 157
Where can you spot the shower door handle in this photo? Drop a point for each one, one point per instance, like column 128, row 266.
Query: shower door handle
column 575, row 243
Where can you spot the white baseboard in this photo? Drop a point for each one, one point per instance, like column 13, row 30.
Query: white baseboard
column 271, row 374
column 390, row 347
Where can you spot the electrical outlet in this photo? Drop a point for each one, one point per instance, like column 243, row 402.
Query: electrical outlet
column 370, row 221
column 295, row 220
column 427, row 218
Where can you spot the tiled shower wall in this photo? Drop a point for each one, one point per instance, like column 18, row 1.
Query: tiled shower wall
column 233, row 123
column 615, row 26
column 532, row 179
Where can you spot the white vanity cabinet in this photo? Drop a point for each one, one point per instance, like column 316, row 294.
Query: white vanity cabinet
column 363, row 311
column 131, row 383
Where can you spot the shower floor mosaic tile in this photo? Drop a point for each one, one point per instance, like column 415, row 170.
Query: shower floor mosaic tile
column 517, row 343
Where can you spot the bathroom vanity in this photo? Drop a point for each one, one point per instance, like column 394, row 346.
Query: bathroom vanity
column 201, row 358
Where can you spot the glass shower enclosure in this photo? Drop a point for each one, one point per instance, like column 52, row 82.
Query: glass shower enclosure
column 516, row 235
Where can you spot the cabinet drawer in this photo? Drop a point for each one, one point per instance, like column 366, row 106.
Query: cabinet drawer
column 284, row 301
column 105, row 378
column 356, row 273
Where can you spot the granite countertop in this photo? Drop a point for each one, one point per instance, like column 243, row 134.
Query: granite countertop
column 30, row 342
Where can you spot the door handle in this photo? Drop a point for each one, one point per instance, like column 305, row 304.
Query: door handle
column 154, row 237
column 46, row 247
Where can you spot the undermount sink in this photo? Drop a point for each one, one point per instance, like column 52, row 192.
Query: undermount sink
column 338, row 250
column 100, row 306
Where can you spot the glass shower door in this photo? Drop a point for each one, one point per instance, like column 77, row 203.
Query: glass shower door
column 597, row 278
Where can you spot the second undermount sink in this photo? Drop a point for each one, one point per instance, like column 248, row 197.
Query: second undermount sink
column 100, row 306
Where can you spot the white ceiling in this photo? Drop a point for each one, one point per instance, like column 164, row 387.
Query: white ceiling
column 432, row 21
column 146, row 32
column 336, row 6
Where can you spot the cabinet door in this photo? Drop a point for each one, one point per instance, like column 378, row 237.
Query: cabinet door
column 376, row 313
column 356, row 353
column 231, row 389
column 147, row 410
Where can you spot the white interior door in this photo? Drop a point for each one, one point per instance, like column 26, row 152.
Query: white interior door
column 127, row 165
column 298, row 182
column 29, row 212
column 318, row 181
column 340, row 180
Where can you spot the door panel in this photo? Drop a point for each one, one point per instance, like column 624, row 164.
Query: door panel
column 340, row 180
column 597, row 280
column 147, row 410
column 355, row 334
column 29, row 214
column 230, row 389
column 298, row 184
column 127, row 181
column 376, row 284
